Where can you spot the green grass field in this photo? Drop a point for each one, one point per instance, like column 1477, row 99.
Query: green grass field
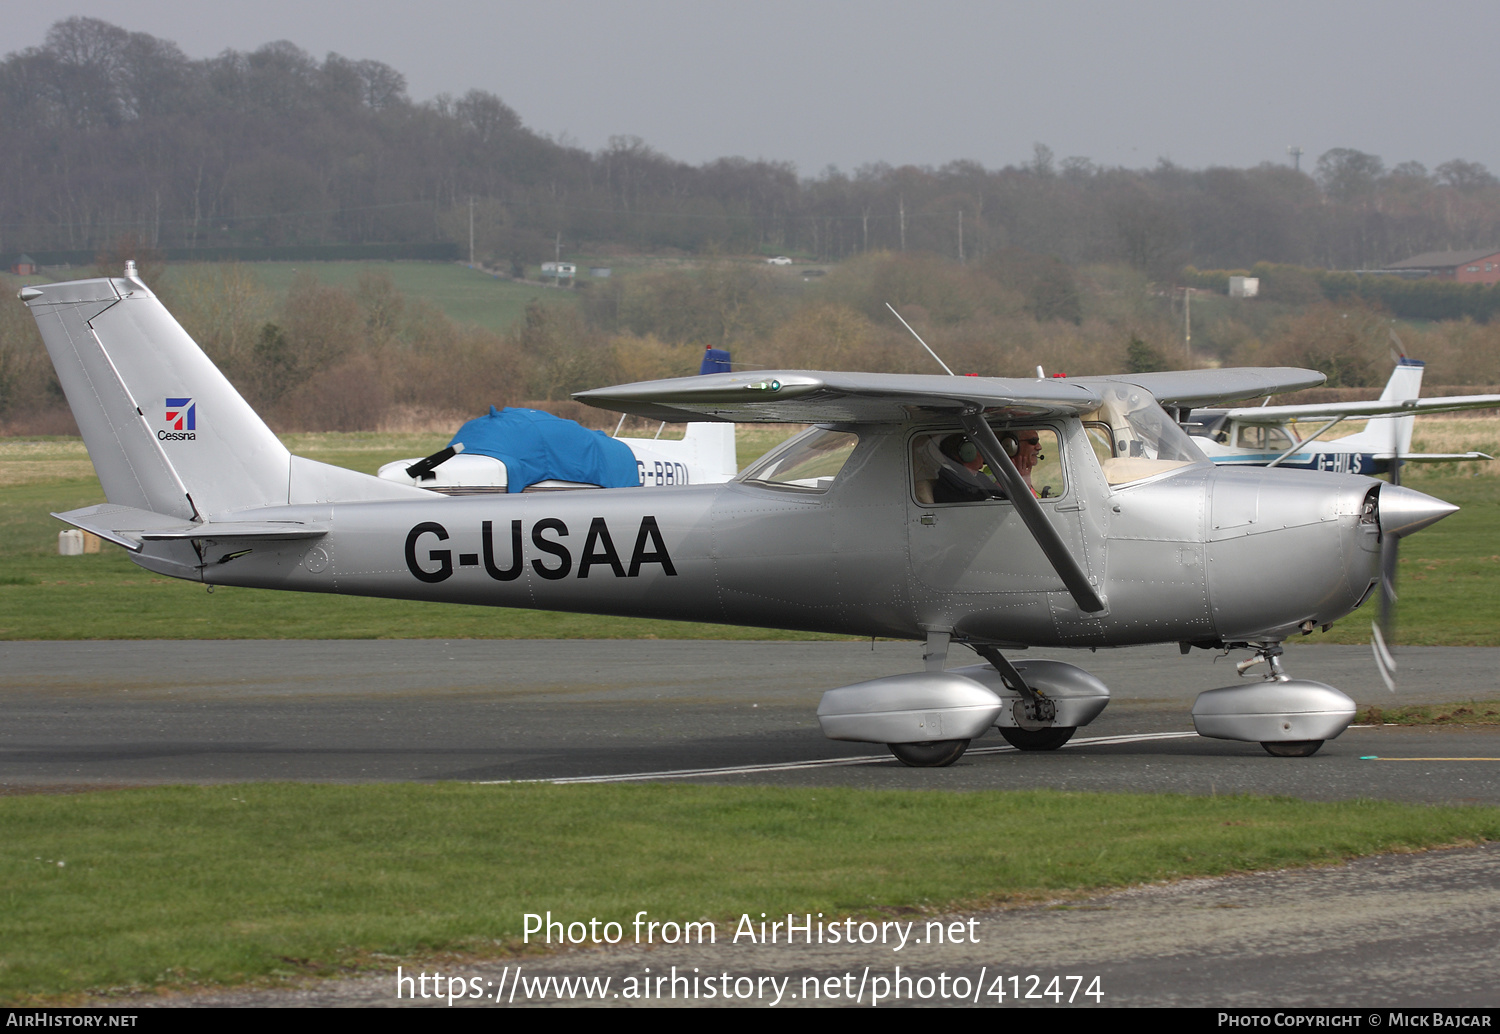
column 184, row 887
column 466, row 295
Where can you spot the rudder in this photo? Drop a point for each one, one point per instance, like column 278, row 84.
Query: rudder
column 165, row 429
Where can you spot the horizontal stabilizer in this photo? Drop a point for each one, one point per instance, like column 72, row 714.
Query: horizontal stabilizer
column 130, row 527
column 243, row 530
column 1443, row 457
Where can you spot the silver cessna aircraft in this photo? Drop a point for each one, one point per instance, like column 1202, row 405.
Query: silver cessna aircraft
column 1108, row 528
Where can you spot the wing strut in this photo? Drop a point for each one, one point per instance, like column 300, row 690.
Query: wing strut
column 1306, row 441
column 1032, row 515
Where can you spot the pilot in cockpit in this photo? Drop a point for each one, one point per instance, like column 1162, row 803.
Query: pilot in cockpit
column 961, row 477
column 1028, row 451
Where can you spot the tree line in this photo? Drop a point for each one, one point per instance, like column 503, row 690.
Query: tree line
column 371, row 358
column 110, row 132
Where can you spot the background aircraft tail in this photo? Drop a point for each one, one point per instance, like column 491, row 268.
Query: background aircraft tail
column 1391, row 435
column 165, row 429
column 707, row 448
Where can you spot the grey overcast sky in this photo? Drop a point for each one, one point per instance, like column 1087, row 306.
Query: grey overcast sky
column 837, row 82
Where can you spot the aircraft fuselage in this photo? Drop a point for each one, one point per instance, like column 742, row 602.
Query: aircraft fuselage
column 1195, row 555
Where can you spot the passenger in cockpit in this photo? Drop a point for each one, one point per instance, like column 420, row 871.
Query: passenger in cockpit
column 961, row 479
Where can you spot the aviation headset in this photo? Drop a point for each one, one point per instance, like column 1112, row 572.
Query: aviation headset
column 1012, row 445
column 966, row 451
column 959, row 448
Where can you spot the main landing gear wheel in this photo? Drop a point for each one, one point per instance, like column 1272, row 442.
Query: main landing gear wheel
column 1293, row 748
column 1038, row 739
column 936, row 754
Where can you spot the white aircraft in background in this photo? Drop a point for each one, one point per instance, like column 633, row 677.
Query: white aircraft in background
column 705, row 455
column 1262, row 436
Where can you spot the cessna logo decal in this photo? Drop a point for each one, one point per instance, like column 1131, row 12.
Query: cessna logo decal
column 181, row 419
column 551, row 559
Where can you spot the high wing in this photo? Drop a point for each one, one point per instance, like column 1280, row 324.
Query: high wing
column 818, row 396
column 805, row 397
column 1195, row 389
column 802, row 396
column 1440, row 404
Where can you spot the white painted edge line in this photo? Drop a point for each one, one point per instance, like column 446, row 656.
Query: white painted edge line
column 793, row 766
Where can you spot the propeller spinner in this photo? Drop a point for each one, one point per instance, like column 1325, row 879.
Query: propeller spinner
column 1402, row 512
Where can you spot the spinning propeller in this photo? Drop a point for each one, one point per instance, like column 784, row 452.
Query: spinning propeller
column 1400, row 512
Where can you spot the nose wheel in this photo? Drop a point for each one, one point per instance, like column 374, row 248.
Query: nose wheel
column 1293, row 748
column 1289, row 718
column 1049, row 738
column 1271, row 653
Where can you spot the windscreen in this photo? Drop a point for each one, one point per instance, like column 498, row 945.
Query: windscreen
column 1142, row 440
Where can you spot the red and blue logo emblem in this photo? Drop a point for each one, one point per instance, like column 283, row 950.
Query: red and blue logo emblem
column 181, row 419
column 182, row 415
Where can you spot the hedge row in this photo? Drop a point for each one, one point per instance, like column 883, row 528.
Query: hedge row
column 1418, row 299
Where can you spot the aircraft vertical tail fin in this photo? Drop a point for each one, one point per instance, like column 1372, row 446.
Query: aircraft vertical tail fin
column 713, row 447
column 165, row 429
column 1405, row 383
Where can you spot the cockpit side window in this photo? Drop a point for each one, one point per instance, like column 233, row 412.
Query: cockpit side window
column 1263, row 438
column 948, row 468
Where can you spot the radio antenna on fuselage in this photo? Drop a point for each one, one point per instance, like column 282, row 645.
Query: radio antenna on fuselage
column 914, row 334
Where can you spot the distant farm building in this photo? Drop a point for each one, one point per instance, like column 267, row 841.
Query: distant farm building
column 1244, row 286
column 24, row 266
column 1466, row 267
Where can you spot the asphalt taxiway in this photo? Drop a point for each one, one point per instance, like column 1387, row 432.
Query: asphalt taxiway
column 136, row 713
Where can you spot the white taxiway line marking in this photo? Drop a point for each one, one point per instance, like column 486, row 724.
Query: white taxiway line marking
column 793, row 766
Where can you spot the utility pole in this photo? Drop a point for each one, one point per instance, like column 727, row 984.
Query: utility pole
column 1296, row 153
column 471, row 231
column 901, row 200
column 557, row 250
column 1187, row 322
column 961, row 237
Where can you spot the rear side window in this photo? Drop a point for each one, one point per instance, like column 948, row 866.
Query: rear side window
column 808, row 463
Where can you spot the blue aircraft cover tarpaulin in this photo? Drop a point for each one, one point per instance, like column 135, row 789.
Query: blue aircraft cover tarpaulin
column 537, row 446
